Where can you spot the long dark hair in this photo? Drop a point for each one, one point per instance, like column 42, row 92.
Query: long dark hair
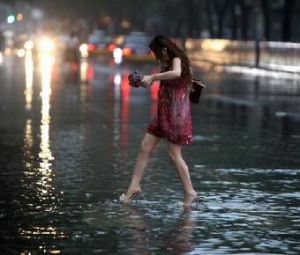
column 173, row 50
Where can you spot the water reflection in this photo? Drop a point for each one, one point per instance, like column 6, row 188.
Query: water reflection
column 29, row 79
column 146, row 232
column 179, row 240
column 84, row 71
column 39, row 194
column 244, row 163
column 28, row 144
column 141, row 230
column 154, row 96
column 137, row 230
column 1, row 59
column 45, row 154
column 46, row 63
column 125, row 108
column 117, row 84
column 121, row 110
column 84, row 66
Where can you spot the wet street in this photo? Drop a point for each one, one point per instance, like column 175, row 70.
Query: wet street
column 69, row 136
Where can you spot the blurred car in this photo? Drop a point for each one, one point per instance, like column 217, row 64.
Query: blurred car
column 100, row 43
column 135, row 47
column 15, row 44
column 72, row 49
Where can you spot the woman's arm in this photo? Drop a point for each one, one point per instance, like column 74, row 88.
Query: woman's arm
column 168, row 75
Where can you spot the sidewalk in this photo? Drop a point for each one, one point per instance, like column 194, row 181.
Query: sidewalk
column 274, row 58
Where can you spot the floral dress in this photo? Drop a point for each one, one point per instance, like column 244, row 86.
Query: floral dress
column 173, row 120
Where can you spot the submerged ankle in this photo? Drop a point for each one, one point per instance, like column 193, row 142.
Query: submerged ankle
column 134, row 188
column 191, row 193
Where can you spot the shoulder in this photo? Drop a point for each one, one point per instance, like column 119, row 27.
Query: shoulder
column 176, row 60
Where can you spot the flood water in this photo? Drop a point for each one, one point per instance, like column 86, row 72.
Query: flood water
column 68, row 145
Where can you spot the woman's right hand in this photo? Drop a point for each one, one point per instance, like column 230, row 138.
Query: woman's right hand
column 147, row 81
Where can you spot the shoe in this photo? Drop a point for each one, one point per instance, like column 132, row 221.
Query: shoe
column 127, row 199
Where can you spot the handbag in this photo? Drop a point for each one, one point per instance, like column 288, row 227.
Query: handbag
column 196, row 90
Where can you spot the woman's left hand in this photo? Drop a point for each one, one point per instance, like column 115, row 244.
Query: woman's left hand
column 147, row 81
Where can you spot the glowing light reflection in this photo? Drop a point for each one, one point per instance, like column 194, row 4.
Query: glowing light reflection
column 1, row 58
column 38, row 231
column 47, row 61
column 45, row 154
column 260, row 72
column 28, row 143
column 39, row 193
column 84, row 71
column 154, row 97
column 125, row 108
column 29, row 79
column 117, row 84
column 215, row 44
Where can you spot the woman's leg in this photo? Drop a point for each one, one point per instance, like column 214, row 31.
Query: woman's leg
column 174, row 152
column 147, row 146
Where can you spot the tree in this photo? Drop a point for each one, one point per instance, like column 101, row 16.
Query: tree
column 209, row 15
column 286, row 19
column 266, row 15
column 244, row 18
column 221, row 8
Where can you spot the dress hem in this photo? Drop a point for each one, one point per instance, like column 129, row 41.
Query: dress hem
column 168, row 139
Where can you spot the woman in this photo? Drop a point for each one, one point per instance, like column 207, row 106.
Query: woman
column 173, row 121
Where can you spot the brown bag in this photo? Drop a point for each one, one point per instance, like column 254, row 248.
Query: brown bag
column 195, row 94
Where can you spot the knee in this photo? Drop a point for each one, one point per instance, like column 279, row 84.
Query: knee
column 173, row 155
column 145, row 148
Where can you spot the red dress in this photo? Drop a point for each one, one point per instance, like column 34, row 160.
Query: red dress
column 173, row 121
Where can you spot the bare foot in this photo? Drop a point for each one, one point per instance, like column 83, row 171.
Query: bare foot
column 189, row 198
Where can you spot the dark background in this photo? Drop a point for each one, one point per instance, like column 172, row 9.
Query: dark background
column 274, row 20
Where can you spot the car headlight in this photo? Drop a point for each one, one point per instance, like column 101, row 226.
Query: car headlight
column 84, row 50
column 28, row 45
column 46, row 45
column 118, row 54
